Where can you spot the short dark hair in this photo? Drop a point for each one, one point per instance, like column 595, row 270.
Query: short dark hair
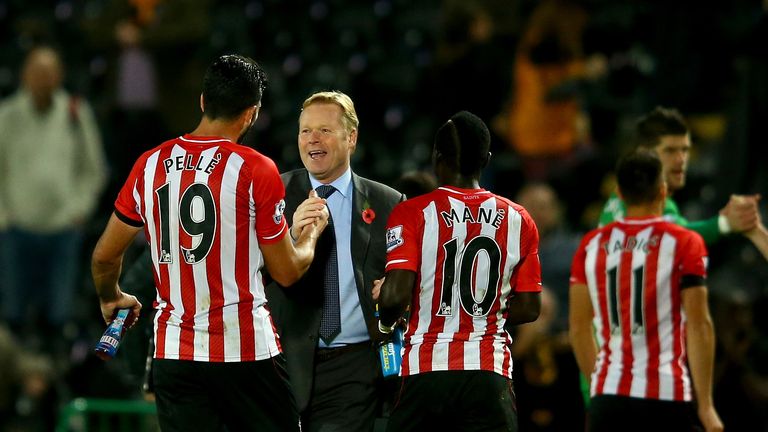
column 657, row 123
column 639, row 176
column 464, row 139
column 232, row 84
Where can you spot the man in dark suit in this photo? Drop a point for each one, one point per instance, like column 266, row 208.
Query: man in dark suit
column 326, row 320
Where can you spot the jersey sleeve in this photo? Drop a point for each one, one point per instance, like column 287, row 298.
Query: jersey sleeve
column 402, row 238
column 128, row 202
column 694, row 258
column 707, row 228
column 268, row 195
column 578, row 272
column 527, row 276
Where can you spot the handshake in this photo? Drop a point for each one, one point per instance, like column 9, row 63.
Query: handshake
column 742, row 215
column 310, row 218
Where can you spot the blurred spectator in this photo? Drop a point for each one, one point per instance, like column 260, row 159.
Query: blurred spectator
column 150, row 52
column 415, row 183
column 157, row 57
column 545, row 124
column 557, row 244
column 8, row 363
column 36, row 404
column 51, row 175
column 546, row 372
column 741, row 378
column 473, row 59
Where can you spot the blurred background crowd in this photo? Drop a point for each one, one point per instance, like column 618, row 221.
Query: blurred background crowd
column 559, row 82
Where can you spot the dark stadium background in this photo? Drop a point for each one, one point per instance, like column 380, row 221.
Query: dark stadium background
column 408, row 65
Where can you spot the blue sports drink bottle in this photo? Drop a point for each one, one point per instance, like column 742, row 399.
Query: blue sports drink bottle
column 110, row 340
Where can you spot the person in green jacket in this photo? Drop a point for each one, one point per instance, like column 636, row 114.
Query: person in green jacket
column 665, row 131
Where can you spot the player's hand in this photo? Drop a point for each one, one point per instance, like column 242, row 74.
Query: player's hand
column 741, row 212
column 123, row 301
column 376, row 290
column 315, row 217
column 710, row 420
column 309, row 212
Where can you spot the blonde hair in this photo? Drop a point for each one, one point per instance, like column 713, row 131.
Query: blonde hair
column 348, row 114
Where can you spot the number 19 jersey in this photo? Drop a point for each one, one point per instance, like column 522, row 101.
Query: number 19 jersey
column 206, row 205
column 472, row 250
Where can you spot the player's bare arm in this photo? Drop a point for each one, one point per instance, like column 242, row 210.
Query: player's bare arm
column 759, row 236
column 701, row 353
column 396, row 292
column 288, row 261
column 106, row 264
column 524, row 307
column 580, row 329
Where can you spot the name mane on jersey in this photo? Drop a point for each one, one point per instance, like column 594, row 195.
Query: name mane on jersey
column 202, row 163
column 631, row 243
column 482, row 215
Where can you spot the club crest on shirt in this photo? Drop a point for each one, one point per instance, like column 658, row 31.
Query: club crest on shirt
column 394, row 238
column 279, row 209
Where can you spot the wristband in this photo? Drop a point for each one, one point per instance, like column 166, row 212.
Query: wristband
column 387, row 330
column 722, row 224
column 290, row 233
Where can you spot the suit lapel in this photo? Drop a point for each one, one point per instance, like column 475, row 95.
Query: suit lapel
column 361, row 231
column 297, row 187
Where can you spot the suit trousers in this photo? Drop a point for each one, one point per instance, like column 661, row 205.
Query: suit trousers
column 345, row 394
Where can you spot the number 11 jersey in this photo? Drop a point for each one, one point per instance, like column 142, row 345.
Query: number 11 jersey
column 634, row 270
column 206, row 204
column 472, row 250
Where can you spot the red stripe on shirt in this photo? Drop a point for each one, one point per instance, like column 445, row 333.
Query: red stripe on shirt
column 186, row 276
column 652, row 322
column 213, row 270
column 602, row 296
column 625, row 321
column 243, row 228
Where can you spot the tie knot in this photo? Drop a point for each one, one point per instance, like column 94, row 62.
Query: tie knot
column 324, row 191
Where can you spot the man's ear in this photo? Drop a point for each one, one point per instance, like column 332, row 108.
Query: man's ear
column 486, row 161
column 352, row 140
column 202, row 104
column 250, row 115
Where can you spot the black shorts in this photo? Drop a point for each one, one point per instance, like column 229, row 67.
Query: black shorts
column 628, row 414
column 459, row 400
column 203, row 396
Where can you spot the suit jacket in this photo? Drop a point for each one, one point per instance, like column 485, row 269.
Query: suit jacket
column 296, row 310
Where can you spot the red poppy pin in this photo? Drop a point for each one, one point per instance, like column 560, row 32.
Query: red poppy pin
column 368, row 214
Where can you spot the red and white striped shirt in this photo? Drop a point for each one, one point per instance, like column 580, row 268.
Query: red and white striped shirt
column 206, row 205
column 633, row 270
column 471, row 251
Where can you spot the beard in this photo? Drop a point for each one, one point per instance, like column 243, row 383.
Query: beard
column 247, row 130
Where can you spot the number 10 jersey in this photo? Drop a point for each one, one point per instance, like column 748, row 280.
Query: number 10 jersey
column 472, row 250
